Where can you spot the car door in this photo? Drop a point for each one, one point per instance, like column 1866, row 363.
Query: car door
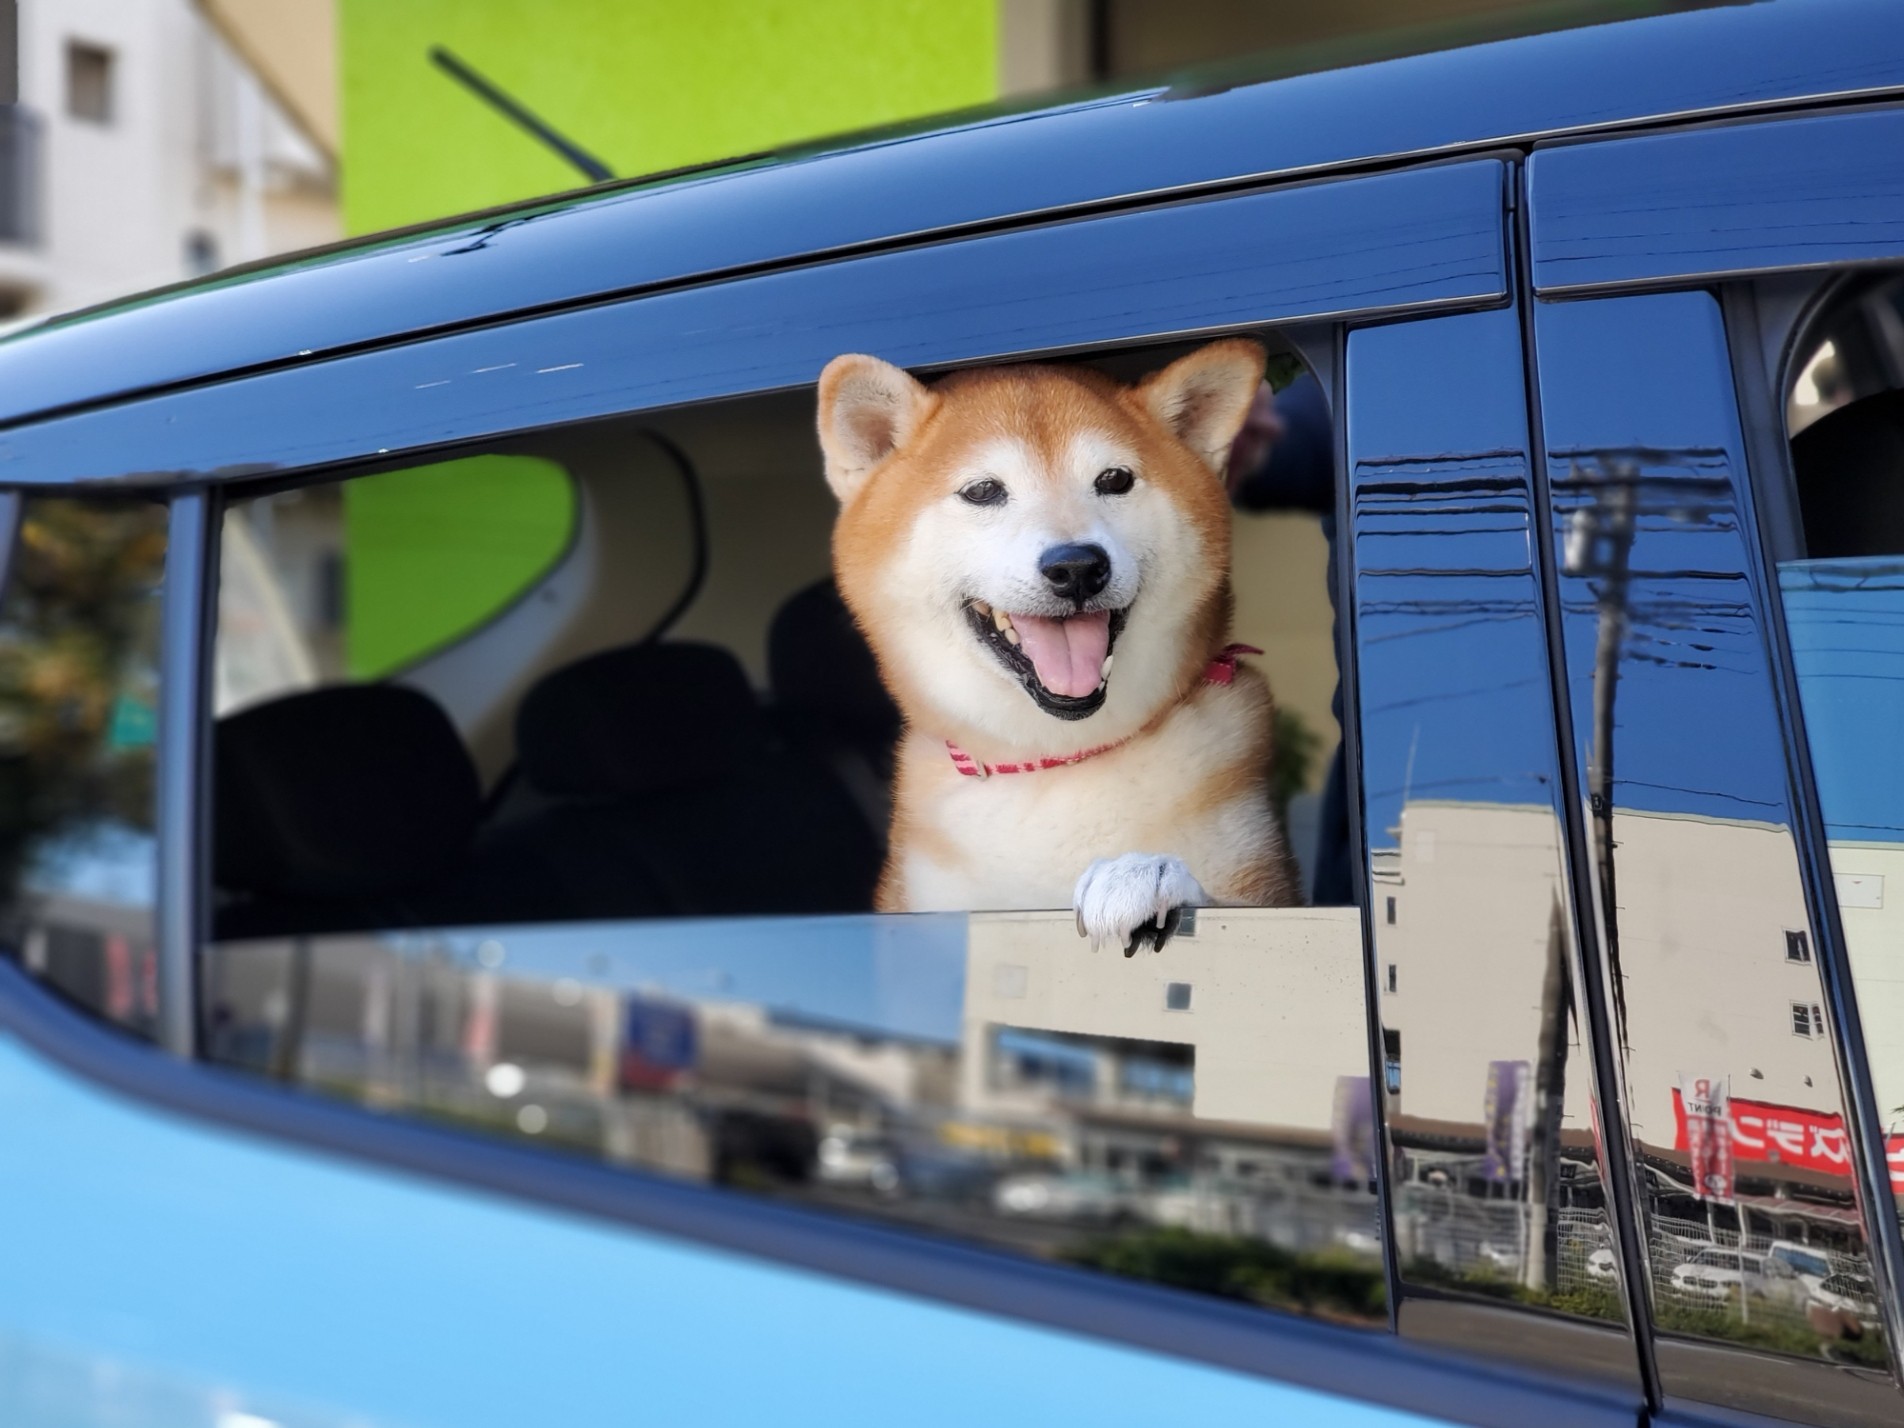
column 384, row 1147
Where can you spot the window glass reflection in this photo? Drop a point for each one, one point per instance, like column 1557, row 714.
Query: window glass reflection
column 1497, row 1190
column 1846, row 621
column 79, row 622
column 1734, row 1101
column 1200, row 1118
column 1844, row 612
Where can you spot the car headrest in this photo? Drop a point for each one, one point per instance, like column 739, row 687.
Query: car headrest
column 818, row 662
column 349, row 791
column 637, row 720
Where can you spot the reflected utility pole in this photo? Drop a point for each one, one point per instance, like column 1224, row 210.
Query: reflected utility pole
column 1600, row 546
column 1540, row 1258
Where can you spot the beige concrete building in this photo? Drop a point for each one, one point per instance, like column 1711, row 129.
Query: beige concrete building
column 1269, row 1002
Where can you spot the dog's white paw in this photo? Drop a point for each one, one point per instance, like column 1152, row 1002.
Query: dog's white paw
column 1134, row 899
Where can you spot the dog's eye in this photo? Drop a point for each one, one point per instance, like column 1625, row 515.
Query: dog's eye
column 984, row 492
column 1115, row 481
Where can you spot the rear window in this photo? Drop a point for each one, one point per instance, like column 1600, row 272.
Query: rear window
column 79, row 632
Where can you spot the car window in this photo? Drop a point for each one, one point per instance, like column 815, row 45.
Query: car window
column 1844, row 611
column 1501, row 1204
column 1739, row 1125
column 600, row 874
column 79, row 628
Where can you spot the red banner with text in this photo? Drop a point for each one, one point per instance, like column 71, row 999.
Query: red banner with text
column 1786, row 1135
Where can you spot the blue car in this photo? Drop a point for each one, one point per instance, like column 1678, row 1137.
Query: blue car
column 442, row 792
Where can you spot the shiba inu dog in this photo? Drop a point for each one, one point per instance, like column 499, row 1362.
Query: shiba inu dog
column 1040, row 559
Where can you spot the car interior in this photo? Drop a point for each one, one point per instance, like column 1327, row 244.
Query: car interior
column 672, row 716
column 1846, row 421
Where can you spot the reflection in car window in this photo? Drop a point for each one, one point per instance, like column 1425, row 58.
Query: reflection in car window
column 1844, row 611
column 1499, row 1200
column 988, row 1078
column 79, row 623
column 1738, row 1124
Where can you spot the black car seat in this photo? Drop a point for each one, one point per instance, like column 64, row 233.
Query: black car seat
column 829, row 701
column 339, row 808
column 662, row 791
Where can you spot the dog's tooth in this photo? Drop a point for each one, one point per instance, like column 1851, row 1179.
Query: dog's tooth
column 981, row 607
column 1104, row 671
column 1011, row 635
column 1001, row 619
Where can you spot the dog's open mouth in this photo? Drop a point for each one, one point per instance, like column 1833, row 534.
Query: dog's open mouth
column 1064, row 663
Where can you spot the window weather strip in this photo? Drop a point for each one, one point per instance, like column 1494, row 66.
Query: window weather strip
column 9, row 530
column 184, row 651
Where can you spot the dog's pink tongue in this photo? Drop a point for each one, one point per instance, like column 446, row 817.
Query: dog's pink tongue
column 1067, row 654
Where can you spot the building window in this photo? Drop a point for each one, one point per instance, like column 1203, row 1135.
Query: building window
column 1391, row 976
column 1391, row 912
column 1797, row 947
column 1177, row 996
column 89, row 82
column 201, row 253
column 1808, row 1020
column 1392, row 1060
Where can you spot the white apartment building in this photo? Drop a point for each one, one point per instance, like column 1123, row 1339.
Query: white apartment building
column 143, row 152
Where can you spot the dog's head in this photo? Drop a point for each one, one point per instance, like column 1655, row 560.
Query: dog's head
column 1009, row 533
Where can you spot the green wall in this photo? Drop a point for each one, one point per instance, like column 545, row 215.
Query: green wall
column 436, row 550
column 641, row 84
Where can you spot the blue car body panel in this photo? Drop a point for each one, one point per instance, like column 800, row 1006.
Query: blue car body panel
column 171, row 1272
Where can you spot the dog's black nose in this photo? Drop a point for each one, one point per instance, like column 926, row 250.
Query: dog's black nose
column 1075, row 572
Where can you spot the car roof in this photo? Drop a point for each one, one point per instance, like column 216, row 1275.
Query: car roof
column 1314, row 113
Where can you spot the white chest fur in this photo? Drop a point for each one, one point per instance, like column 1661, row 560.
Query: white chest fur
column 1021, row 840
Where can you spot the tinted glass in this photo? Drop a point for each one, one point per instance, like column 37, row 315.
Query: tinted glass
column 1498, row 1196
column 1735, row 1105
column 1198, row 1118
column 79, row 623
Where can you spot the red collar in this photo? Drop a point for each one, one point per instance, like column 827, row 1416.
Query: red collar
column 1221, row 670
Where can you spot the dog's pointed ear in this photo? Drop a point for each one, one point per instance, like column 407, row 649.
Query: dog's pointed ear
column 1203, row 398
column 868, row 410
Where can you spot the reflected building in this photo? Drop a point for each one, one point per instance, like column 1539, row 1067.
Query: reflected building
column 1731, row 990
column 1041, row 1099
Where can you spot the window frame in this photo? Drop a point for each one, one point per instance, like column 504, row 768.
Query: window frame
column 120, row 439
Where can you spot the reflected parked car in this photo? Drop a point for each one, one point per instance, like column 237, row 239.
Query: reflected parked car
column 1716, row 1274
column 1848, row 1294
column 1095, row 1199
column 1811, row 1265
column 849, row 1158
